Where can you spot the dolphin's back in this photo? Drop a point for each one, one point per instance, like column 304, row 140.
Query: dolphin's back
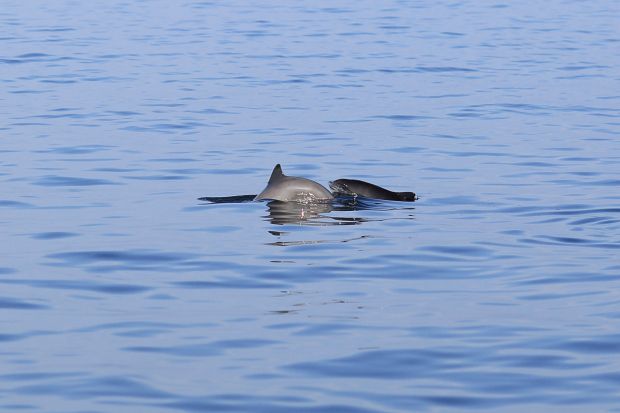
column 290, row 188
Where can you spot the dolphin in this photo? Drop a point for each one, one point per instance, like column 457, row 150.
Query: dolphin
column 291, row 188
column 355, row 187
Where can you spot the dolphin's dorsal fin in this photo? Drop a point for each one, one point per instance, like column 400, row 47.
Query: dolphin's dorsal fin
column 276, row 174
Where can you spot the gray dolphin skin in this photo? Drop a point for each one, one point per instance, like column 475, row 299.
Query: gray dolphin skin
column 290, row 188
column 355, row 187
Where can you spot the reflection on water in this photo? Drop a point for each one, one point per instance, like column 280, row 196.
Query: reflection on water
column 282, row 213
column 316, row 213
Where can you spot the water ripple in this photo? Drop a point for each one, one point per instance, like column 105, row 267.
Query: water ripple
column 82, row 285
column 210, row 349
column 72, row 181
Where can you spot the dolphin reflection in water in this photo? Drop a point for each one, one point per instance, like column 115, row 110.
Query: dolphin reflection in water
column 294, row 200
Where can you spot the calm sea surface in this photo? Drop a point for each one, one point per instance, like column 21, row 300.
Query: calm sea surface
column 498, row 290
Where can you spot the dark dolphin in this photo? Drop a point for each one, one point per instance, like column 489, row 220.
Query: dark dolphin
column 355, row 187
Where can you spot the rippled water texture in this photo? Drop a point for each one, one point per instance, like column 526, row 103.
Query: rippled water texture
column 498, row 290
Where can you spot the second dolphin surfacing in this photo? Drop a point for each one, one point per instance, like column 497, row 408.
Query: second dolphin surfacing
column 355, row 187
column 290, row 188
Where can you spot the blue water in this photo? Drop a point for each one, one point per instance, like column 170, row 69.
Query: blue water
column 498, row 290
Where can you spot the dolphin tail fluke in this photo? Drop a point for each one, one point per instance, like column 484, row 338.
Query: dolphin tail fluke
column 276, row 174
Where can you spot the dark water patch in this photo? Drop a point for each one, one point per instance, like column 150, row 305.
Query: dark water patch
column 127, row 326
column 465, row 251
column 211, row 349
column 444, row 69
column 439, row 169
column 157, row 177
column 331, row 329
column 442, row 96
column 240, row 403
column 519, row 108
column 228, row 171
column 348, row 120
column 579, row 159
column 601, row 344
column 164, row 105
column 356, row 33
column 476, row 375
column 115, row 170
column 176, row 126
column 81, row 159
column 469, row 402
column 585, row 173
column 7, row 270
column 52, row 29
column 570, row 241
column 14, row 204
column 382, row 364
column 108, row 79
column 77, row 150
column 173, row 160
column 572, row 68
column 394, row 27
column 567, row 240
column 353, row 71
column 51, row 180
column 211, row 111
column 124, row 113
column 468, row 154
column 16, row 304
column 18, row 407
column 29, row 124
column 80, row 285
column 92, row 387
column 570, row 278
column 73, row 207
column 137, row 260
column 474, row 330
column 230, row 282
column 400, row 117
column 62, row 115
column 29, row 91
column 34, row 58
column 421, row 401
column 10, row 337
column 144, row 333
column 536, row 164
column 42, row 375
column 558, row 296
column 581, row 183
column 189, row 171
column 53, row 235
column 58, row 81
column 282, row 81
